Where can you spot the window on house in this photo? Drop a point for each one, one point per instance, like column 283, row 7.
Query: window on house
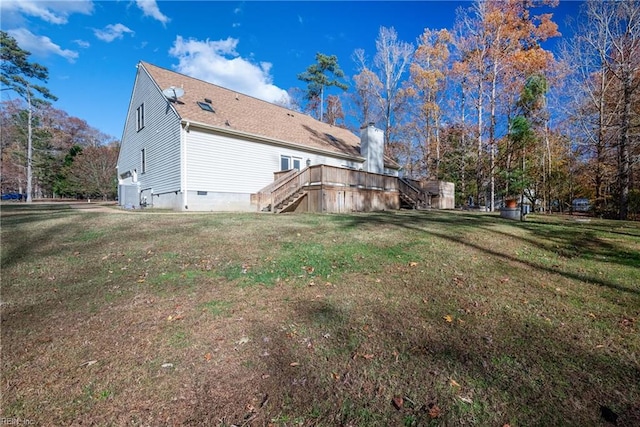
column 206, row 106
column 140, row 117
column 285, row 163
column 143, row 161
column 288, row 162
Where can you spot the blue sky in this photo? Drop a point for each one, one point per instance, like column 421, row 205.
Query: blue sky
column 255, row 47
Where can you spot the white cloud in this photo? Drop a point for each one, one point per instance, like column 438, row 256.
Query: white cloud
column 82, row 43
column 55, row 12
column 218, row 62
column 235, row 25
column 40, row 45
column 150, row 8
column 112, row 32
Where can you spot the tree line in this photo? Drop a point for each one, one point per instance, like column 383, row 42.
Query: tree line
column 45, row 152
column 484, row 104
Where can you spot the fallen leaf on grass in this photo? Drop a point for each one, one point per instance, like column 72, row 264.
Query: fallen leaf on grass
column 413, row 264
column 504, row 280
column 294, row 364
column 368, row 356
column 89, row 363
column 207, row 357
column 627, row 322
column 448, row 318
column 454, row 383
column 243, row 340
column 466, row 400
column 397, row 402
column 434, row 411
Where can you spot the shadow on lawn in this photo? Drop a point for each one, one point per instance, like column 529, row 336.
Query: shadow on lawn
column 32, row 240
column 528, row 374
column 569, row 240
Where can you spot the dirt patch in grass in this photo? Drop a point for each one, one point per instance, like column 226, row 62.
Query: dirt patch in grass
column 402, row 318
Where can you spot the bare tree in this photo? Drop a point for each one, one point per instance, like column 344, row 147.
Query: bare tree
column 427, row 85
column 367, row 91
column 391, row 61
column 605, row 57
column 94, row 171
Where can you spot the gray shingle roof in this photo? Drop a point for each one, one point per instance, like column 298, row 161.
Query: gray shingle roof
column 242, row 113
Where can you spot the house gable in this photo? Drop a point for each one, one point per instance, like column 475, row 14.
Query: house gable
column 150, row 149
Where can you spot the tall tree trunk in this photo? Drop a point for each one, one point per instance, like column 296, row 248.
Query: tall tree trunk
column 29, row 146
column 600, row 205
column 479, row 180
column 623, row 168
column 492, row 135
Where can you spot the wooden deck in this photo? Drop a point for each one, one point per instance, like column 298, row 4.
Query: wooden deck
column 322, row 188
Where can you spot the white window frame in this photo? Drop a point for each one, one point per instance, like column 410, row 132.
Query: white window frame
column 291, row 162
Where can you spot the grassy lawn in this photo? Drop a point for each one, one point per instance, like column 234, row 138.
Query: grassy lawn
column 389, row 319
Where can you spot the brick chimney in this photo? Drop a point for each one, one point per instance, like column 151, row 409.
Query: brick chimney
column 372, row 148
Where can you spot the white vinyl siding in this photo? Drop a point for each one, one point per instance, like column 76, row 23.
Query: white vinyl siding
column 220, row 163
column 159, row 138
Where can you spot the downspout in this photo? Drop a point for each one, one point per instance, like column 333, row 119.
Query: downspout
column 183, row 166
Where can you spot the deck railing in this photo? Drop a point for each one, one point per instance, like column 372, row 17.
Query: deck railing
column 331, row 175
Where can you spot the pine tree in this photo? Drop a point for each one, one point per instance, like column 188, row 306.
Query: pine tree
column 17, row 74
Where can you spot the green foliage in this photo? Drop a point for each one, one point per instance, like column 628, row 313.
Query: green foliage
column 521, row 131
column 16, row 71
column 64, row 186
column 317, row 79
column 532, row 95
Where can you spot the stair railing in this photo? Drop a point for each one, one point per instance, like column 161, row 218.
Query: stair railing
column 263, row 198
column 288, row 187
column 415, row 194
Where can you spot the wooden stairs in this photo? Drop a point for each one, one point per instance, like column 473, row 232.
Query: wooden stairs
column 284, row 194
column 411, row 196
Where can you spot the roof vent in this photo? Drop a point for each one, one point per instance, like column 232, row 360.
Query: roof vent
column 207, row 100
column 237, row 97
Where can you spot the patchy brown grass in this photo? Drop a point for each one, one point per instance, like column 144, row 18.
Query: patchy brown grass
column 401, row 318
